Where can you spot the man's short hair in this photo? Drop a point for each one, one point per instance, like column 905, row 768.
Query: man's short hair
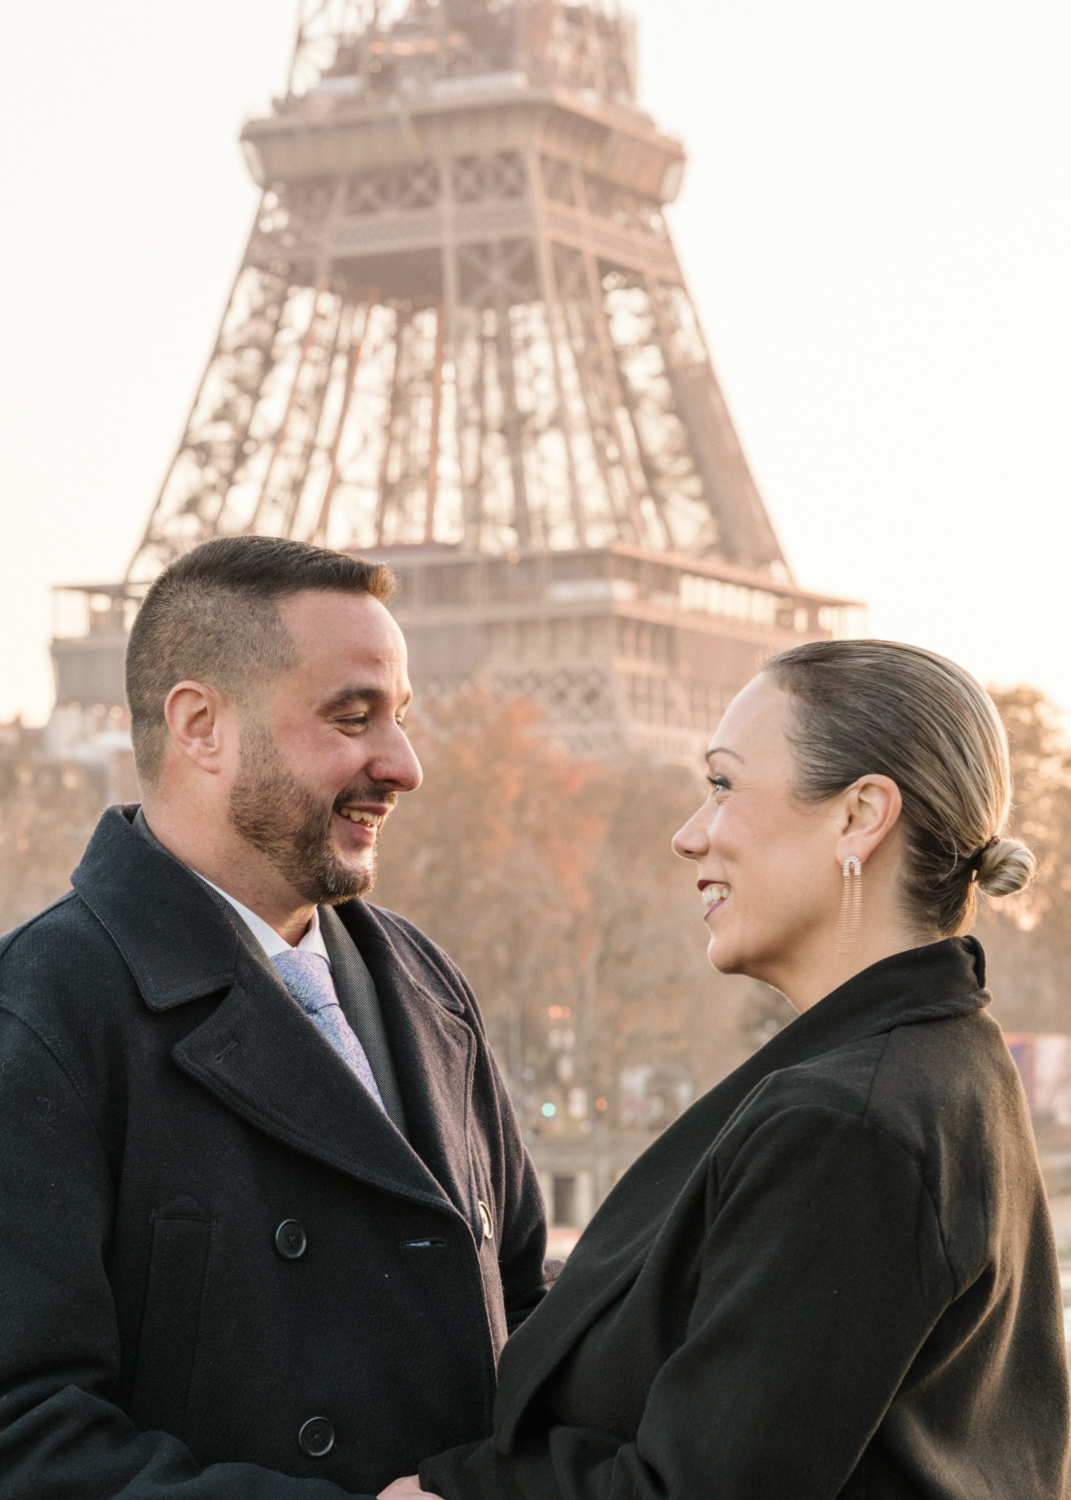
column 213, row 616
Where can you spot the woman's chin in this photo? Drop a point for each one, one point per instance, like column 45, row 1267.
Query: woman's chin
column 736, row 957
column 723, row 957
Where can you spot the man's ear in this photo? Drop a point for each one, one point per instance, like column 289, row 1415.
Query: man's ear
column 872, row 807
column 198, row 720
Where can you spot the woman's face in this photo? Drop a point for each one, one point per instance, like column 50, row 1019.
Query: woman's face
column 766, row 863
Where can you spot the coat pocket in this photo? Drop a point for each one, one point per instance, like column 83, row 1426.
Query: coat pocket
column 171, row 1316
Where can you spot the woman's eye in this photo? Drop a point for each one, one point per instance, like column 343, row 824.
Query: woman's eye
column 719, row 783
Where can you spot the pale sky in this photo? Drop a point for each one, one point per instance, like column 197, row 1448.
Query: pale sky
column 876, row 224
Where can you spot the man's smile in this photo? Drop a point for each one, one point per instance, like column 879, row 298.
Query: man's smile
column 356, row 815
column 364, row 822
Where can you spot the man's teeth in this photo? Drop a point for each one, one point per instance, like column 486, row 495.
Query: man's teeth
column 370, row 820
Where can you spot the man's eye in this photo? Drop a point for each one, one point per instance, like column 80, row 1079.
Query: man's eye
column 356, row 721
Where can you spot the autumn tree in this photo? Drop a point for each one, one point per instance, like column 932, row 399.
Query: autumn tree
column 663, row 1025
column 552, row 884
column 48, row 809
column 491, row 858
column 1027, row 937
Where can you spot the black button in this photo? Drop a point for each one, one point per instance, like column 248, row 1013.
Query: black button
column 290, row 1242
column 317, row 1437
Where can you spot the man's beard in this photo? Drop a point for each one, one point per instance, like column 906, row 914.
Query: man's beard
column 289, row 824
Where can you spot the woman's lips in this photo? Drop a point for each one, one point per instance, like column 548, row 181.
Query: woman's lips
column 713, row 895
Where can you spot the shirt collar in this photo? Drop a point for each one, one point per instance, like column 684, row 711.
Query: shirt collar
column 268, row 938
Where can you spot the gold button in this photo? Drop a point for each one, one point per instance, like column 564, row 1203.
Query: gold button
column 488, row 1227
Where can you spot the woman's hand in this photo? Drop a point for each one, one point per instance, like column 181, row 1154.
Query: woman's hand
column 403, row 1489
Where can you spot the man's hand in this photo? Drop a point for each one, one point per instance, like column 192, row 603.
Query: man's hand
column 403, row 1489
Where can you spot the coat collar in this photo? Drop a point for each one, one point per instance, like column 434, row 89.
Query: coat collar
column 933, row 983
column 258, row 1054
column 176, row 941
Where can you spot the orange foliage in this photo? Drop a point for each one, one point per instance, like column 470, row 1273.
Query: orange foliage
column 551, row 882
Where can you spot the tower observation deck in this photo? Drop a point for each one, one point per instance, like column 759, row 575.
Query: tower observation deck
column 459, row 338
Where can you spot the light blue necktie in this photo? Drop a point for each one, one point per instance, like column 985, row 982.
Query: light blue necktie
column 308, row 978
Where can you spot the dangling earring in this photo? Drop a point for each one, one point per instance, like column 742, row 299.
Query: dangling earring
column 851, row 906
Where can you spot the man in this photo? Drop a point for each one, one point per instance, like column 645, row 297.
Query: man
column 265, row 1215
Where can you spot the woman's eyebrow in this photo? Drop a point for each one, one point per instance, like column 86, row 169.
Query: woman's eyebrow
column 723, row 750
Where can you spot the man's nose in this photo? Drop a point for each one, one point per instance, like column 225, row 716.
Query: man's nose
column 395, row 762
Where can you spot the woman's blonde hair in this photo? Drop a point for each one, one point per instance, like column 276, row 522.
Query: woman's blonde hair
column 877, row 707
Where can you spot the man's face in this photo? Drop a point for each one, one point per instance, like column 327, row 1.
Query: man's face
column 323, row 753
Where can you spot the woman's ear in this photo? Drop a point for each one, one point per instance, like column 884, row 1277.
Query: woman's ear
column 872, row 807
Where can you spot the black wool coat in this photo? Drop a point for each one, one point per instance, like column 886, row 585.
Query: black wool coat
column 165, row 1107
column 833, row 1276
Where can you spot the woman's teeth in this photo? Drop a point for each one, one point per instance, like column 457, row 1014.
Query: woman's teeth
column 370, row 820
column 712, row 896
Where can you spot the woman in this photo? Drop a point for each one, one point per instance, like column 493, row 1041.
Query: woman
column 835, row 1274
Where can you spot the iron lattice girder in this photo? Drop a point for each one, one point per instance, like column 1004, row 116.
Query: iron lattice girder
column 620, row 147
column 384, row 46
column 462, row 322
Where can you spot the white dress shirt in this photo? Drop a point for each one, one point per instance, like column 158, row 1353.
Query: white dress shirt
column 269, row 939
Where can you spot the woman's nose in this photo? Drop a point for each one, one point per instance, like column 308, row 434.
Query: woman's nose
column 691, row 842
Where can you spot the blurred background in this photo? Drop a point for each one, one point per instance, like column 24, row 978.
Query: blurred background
column 873, row 229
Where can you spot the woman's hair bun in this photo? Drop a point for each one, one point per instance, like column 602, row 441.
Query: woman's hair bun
column 1004, row 867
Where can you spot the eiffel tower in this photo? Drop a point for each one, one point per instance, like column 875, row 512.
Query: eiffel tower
column 460, row 339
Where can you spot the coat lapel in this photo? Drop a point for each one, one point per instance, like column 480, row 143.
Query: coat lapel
column 257, row 1052
column 431, row 1044
column 260, row 1056
column 360, row 1005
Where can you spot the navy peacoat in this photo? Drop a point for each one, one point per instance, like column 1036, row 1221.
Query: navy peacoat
column 224, row 1274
